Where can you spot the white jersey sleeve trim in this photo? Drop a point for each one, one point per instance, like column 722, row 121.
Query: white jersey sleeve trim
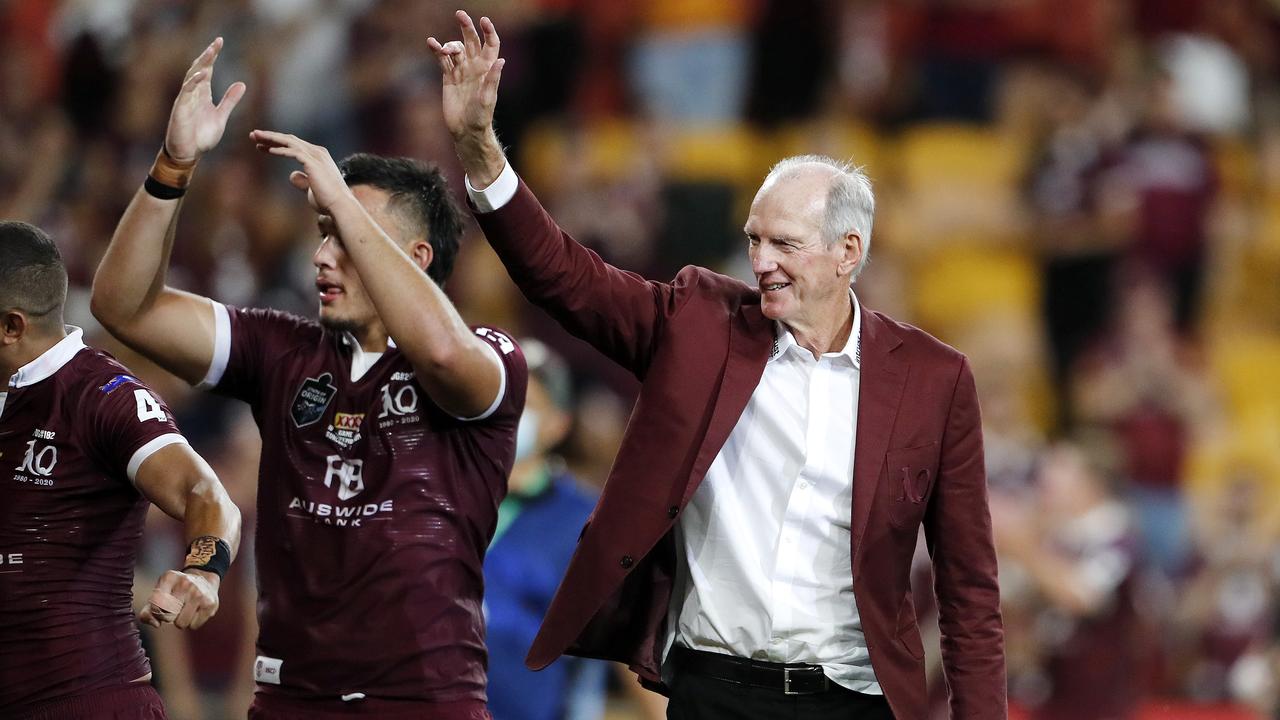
column 221, row 346
column 502, row 389
column 141, row 454
column 499, row 192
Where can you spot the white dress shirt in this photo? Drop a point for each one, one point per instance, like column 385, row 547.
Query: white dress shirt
column 764, row 569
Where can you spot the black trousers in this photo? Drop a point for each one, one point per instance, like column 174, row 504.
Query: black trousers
column 696, row 697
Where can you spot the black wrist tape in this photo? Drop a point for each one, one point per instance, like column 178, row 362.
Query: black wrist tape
column 209, row 554
column 157, row 189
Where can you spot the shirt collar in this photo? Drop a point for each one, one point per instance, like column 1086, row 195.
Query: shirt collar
column 350, row 341
column 51, row 360
column 784, row 341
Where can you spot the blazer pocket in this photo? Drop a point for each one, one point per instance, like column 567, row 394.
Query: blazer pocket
column 911, row 474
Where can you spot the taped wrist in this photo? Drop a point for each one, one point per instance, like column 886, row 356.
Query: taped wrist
column 209, row 554
column 169, row 177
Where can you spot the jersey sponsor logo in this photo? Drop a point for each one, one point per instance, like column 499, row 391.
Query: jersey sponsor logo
column 116, row 382
column 401, row 375
column 399, row 405
column 37, row 464
column 348, row 475
column 267, row 670
column 312, row 399
column 340, row 515
column 43, row 434
column 503, row 342
column 344, row 431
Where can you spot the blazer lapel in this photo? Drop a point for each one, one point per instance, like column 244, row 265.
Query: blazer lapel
column 750, row 338
column 879, row 396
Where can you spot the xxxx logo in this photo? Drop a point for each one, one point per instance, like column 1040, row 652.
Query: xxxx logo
column 344, row 431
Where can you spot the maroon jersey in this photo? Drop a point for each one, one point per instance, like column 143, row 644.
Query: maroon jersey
column 374, row 511
column 74, row 428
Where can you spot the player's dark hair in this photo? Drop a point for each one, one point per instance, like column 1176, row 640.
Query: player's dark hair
column 33, row 278
column 421, row 194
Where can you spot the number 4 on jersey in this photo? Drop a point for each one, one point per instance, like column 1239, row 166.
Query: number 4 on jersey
column 148, row 407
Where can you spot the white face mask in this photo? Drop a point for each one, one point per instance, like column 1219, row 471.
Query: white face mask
column 527, row 434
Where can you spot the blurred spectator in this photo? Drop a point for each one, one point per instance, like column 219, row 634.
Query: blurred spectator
column 789, row 79
column 538, row 526
column 1080, row 556
column 1078, row 255
column 1161, row 184
column 691, row 60
column 1143, row 386
column 1229, row 608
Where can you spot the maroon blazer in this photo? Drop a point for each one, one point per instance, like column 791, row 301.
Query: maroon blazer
column 699, row 346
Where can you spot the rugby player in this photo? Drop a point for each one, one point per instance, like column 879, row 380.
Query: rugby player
column 84, row 448
column 388, row 425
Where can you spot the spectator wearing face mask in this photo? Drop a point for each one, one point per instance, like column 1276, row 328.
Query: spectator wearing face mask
column 538, row 526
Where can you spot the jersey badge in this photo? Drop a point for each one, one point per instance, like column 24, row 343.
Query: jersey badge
column 344, row 431
column 312, row 399
column 116, row 382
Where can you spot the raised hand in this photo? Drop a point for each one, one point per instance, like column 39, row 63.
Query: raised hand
column 319, row 177
column 195, row 123
column 186, row 599
column 471, row 70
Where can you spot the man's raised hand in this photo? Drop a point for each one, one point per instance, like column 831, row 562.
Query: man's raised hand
column 196, row 124
column 471, row 69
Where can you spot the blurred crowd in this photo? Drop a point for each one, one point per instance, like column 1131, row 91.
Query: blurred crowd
column 1082, row 195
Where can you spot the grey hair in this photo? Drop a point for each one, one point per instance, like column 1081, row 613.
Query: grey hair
column 851, row 204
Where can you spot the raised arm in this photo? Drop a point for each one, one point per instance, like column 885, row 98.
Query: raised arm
column 130, row 297
column 458, row 370
column 618, row 312
column 471, row 71
column 183, row 485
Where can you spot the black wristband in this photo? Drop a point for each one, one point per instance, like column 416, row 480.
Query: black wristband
column 209, row 554
column 157, row 189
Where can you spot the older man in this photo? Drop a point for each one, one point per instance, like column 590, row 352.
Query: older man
column 750, row 553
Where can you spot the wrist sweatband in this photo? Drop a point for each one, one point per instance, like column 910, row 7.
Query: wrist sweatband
column 209, row 554
column 169, row 177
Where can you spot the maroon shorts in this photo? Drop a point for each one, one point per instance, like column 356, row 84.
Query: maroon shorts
column 278, row 707
column 139, row 701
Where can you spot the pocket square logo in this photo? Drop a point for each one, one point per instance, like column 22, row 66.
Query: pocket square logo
column 915, row 483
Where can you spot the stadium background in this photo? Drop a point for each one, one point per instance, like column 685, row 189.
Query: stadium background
column 1083, row 195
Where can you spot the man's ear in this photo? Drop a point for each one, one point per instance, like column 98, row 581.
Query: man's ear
column 851, row 252
column 14, row 324
column 422, row 253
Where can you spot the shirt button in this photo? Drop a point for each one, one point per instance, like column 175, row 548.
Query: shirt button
column 673, row 511
column 627, row 561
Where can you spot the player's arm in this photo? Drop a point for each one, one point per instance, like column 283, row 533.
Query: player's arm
column 130, row 298
column 458, row 370
column 181, row 483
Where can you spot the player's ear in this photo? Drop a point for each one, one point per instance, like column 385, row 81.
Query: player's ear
column 13, row 325
column 422, row 253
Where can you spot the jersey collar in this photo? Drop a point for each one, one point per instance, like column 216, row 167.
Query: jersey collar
column 51, row 360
